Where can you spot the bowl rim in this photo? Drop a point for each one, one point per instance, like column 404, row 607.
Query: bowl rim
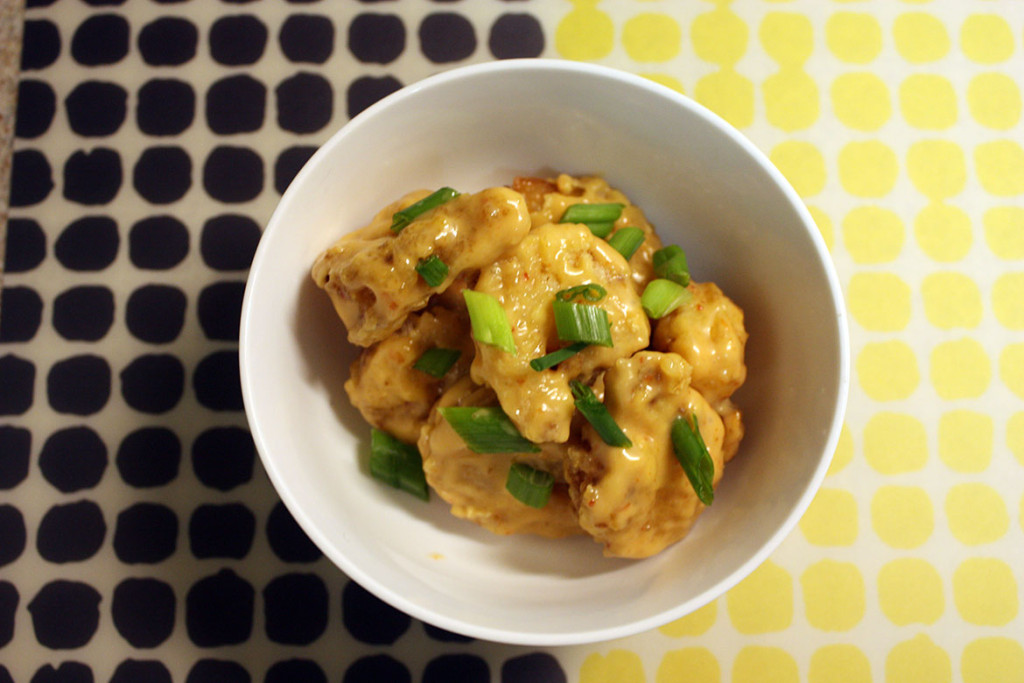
column 540, row 637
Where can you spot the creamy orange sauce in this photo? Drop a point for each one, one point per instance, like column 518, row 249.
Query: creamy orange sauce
column 507, row 242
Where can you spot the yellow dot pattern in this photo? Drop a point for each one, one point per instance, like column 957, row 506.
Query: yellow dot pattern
column 1004, row 232
column 910, row 591
column 790, row 94
column 873, row 234
column 985, row 591
column 831, row 519
column 976, row 514
column 842, row 663
column 902, row 516
column 614, row 667
column 696, row 664
column 951, row 300
column 960, row 369
column 895, row 443
column 966, row 440
column 763, row 602
column 879, row 301
column 901, row 126
column 834, row 596
column 757, row 663
column 993, row 659
column 861, row 101
column 693, row 624
column 994, row 100
column 918, row 659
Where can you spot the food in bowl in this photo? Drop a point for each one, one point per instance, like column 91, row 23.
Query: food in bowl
column 544, row 356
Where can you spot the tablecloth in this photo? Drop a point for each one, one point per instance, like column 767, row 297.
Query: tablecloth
column 140, row 539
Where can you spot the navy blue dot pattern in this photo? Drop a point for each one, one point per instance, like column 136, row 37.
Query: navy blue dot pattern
column 73, row 459
column 26, row 245
column 65, row 614
column 165, row 106
column 145, row 533
column 143, row 611
column 149, row 457
column 84, row 312
column 218, row 671
column 152, row 141
column 21, row 313
column 225, row 530
column 141, row 671
column 93, row 177
column 89, row 243
column 96, row 108
column 155, row 313
column 158, row 242
column 71, row 533
column 37, row 105
column 66, row 672
column 162, row 175
column 15, row 450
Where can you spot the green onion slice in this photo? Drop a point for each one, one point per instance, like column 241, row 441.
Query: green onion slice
column 693, row 455
column 433, row 270
column 598, row 416
column 397, row 463
column 670, row 263
column 626, row 241
column 487, row 429
column 600, row 218
column 590, row 291
column 489, row 320
column 661, row 297
column 438, row 361
column 601, row 228
column 402, row 218
column 582, row 323
column 555, row 357
column 528, row 485
column 588, row 213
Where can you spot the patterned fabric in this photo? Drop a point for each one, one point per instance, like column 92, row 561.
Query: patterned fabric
column 139, row 537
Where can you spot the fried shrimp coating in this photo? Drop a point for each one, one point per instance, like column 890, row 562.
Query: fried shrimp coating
column 393, row 395
column 636, row 501
column 509, row 243
column 474, row 483
column 549, row 199
column 708, row 332
column 371, row 275
column 549, row 259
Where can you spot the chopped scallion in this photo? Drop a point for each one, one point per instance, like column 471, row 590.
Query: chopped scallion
column 693, row 455
column 587, row 213
column 590, row 291
column 433, row 270
column 600, row 218
column 397, row 463
column 601, row 228
column 598, row 416
column 528, row 485
column 489, row 321
column 626, row 241
column 555, row 357
column 661, row 297
column 670, row 263
column 438, row 361
column 402, row 218
column 487, row 429
column 582, row 323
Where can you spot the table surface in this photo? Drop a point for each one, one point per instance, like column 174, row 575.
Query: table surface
column 139, row 538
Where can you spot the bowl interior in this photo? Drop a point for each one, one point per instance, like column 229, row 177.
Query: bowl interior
column 704, row 188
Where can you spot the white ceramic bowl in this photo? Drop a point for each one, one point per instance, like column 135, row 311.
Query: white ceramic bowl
column 704, row 187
